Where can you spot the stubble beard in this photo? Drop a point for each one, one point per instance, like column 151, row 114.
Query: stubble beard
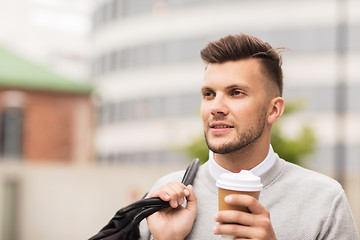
column 243, row 140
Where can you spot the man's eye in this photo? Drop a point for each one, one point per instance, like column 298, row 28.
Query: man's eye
column 237, row 92
column 208, row 94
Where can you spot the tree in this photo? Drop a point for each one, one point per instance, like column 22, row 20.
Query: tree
column 197, row 148
column 292, row 149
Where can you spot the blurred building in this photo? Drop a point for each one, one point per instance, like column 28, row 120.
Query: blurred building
column 148, row 73
column 50, row 187
column 43, row 116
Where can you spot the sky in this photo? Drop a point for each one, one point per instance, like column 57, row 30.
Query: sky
column 66, row 16
column 53, row 33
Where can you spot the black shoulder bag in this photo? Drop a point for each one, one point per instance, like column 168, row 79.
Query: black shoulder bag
column 125, row 224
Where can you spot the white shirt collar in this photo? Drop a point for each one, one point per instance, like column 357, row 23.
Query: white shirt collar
column 216, row 170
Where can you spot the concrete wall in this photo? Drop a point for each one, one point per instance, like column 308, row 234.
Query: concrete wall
column 70, row 202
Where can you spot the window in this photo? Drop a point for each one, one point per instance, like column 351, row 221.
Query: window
column 11, row 131
column 150, row 108
column 114, row 9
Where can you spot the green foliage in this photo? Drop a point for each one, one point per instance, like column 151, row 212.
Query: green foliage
column 198, row 148
column 292, row 149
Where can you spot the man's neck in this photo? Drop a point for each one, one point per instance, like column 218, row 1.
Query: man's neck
column 245, row 158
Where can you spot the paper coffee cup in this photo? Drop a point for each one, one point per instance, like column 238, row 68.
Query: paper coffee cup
column 243, row 182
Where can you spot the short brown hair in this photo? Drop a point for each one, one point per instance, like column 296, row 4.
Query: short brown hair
column 244, row 46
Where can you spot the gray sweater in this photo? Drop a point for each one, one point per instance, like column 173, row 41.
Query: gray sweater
column 303, row 204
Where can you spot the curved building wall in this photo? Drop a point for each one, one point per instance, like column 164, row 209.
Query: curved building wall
column 148, row 71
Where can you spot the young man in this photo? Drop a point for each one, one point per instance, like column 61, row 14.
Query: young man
column 241, row 93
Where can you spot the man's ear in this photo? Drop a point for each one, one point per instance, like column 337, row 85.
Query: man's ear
column 276, row 109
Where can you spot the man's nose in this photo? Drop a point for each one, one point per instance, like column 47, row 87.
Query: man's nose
column 219, row 107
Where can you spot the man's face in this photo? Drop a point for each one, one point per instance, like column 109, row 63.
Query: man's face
column 234, row 105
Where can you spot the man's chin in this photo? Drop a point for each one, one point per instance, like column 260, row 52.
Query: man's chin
column 219, row 145
column 221, row 149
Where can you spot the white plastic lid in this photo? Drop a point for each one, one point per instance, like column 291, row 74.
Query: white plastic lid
column 244, row 181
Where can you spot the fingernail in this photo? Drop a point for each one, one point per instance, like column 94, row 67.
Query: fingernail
column 174, row 204
column 228, row 198
column 187, row 192
column 215, row 216
column 167, row 197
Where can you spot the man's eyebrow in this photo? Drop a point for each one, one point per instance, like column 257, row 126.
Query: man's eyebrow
column 232, row 86
column 243, row 87
column 205, row 89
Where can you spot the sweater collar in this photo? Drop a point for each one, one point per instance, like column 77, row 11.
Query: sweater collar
column 216, row 170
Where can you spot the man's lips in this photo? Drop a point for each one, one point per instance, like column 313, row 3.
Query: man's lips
column 218, row 125
column 220, row 128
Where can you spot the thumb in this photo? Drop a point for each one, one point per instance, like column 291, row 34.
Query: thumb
column 191, row 200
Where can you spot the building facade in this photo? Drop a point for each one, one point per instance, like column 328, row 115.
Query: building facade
column 44, row 117
column 148, row 71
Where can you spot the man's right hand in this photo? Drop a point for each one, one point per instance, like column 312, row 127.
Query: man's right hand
column 173, row 223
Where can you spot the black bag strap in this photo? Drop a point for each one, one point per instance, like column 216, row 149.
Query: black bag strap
column 156, row 204
column 190, row 172
column 125, row 223
column 188, row 178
